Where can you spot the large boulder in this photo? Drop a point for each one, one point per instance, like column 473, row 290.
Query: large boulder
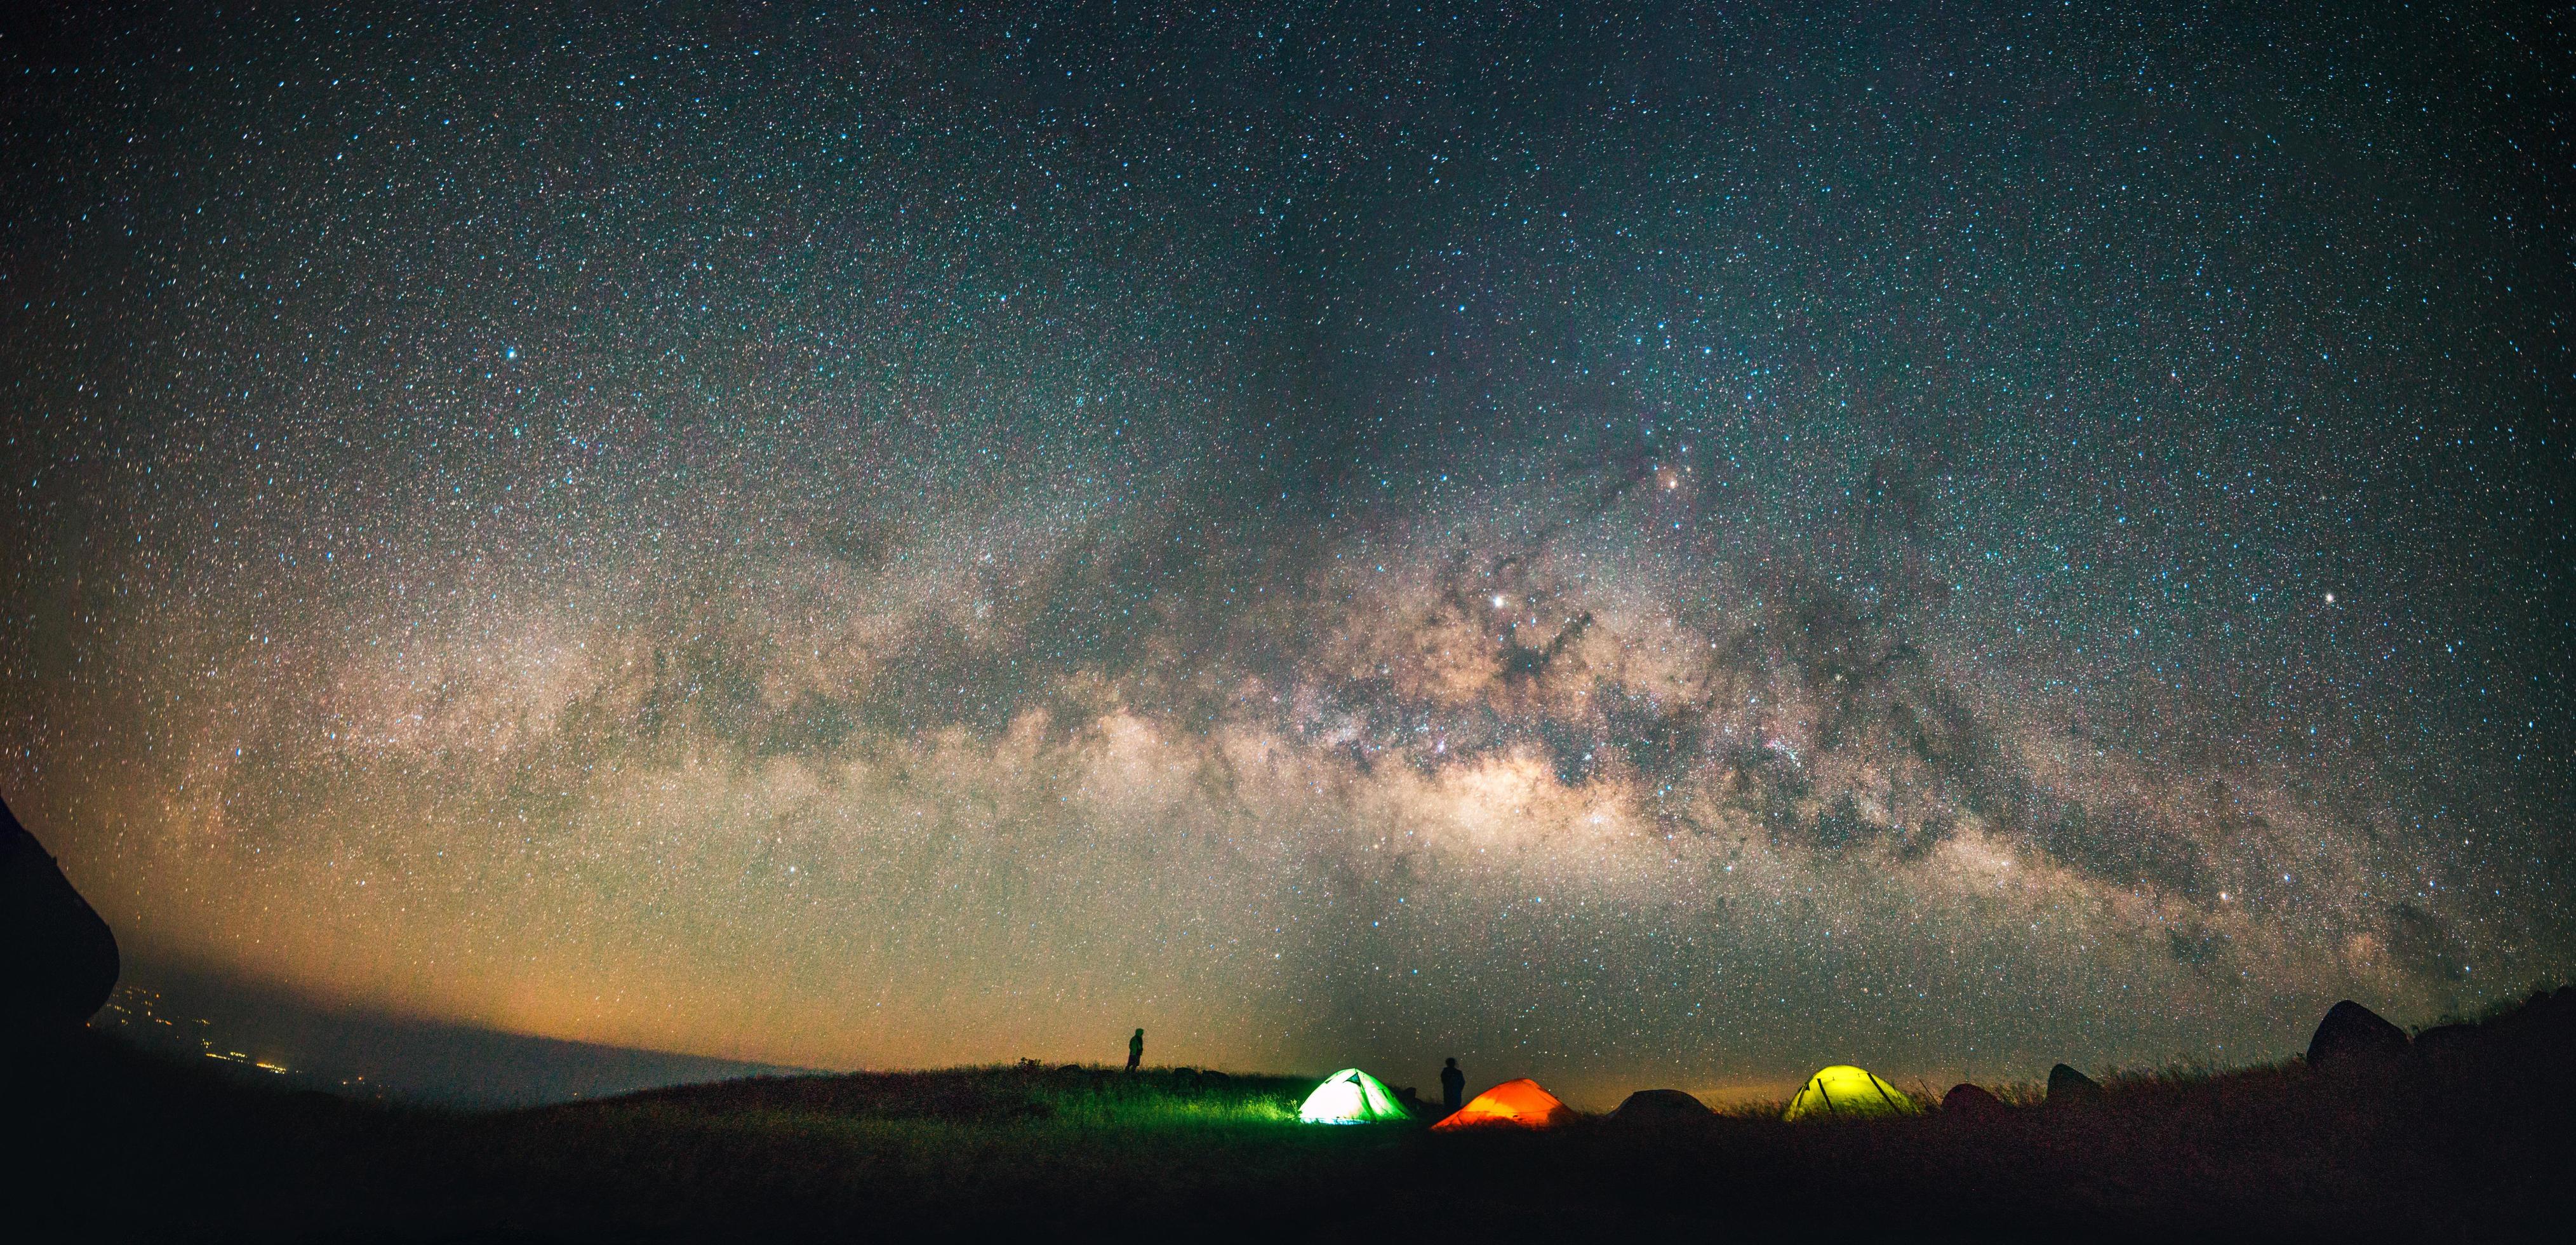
column 2353, row 1037
column 58, row 960
column 1661, row 1106
column 1968, row 1102
column 2070, row 1088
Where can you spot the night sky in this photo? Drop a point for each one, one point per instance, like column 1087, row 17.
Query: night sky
column 1667, row 549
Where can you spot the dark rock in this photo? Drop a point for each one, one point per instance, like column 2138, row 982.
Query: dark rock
column 1969, row 1102
column 2544, row 1027
column 1661, row 1106
column 2068, row 1087
column 2555, row 1014
column 2353, row 1037
column 58, row 960
column 2443, row 1045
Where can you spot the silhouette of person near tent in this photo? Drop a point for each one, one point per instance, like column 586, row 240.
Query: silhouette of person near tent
column 1136, row 1050
column 1453, row 1084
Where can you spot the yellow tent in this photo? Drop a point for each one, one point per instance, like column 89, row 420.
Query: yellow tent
column 1845, row 1092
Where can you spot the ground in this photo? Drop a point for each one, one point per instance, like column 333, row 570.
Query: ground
column 2468, row 1138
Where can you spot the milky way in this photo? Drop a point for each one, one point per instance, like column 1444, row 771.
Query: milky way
column 1670, row 549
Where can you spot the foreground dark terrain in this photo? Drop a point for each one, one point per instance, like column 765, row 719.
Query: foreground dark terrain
column 2471, row 1134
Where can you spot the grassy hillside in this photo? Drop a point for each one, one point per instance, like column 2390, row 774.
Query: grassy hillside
column 2471, row 1137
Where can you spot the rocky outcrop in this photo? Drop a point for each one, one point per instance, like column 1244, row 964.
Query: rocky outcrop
column 2541, row 1032
column 58, row 960
column 2544, row 1026
column 2444, row 1045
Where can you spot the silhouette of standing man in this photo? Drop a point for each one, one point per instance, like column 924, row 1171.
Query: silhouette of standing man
column 1135, row 1050
column 1453, row 1084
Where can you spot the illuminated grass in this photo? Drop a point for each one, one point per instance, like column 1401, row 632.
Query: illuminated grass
column 1063, row 1097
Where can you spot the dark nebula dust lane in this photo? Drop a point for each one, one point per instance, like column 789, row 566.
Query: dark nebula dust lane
column 1669, row 547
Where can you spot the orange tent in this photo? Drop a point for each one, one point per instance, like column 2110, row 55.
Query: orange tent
column 1521, row 1104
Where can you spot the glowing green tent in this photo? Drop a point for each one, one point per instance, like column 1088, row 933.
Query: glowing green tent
column 1845, row 1092
column 1351, row 1096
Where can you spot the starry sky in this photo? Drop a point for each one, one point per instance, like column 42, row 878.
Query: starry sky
column 1659, row 548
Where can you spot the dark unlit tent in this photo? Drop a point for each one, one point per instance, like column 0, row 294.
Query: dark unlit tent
column 1660, row 1106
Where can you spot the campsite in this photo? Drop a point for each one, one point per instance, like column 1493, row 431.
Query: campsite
column 773, row 621
column 2361, row 1137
